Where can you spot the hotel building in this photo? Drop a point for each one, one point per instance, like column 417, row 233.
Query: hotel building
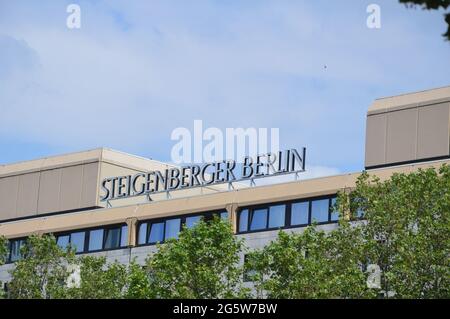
column 62, row 194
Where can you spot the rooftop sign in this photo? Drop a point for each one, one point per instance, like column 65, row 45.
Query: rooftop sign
column 269, row 164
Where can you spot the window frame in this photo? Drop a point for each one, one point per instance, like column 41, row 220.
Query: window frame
column 8, row 253
column 207, row 216
column 288, row 211
column 87, row 232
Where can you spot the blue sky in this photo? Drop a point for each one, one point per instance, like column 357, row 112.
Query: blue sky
column 136, row 70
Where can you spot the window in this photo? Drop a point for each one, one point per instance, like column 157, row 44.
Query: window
column 95, row 239
column 300, row 213
column 360, row 213
column 277, row 215
column 77, row 241
column 63, row 241
column 142, row 234
column 334, row 215
column 156, row 233
column 287, row 214
column 124, row 236
column 112, row 238
column 82, row 241
column 15, row 247
column 243, row 220
column 172, row 228
column 159, row 230
column 258, row 219
column 192, row 221
column 224, row 215
column 319, row 210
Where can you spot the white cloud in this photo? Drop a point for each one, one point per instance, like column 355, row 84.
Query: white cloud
column 135, row 71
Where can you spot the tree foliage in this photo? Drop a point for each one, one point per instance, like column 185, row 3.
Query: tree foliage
column 311, row 264
column 3, row 254
column 405, row 232
column 99, row 279
column 3, row 250
column 43, row 270
column 202, row 263
column 432, row 5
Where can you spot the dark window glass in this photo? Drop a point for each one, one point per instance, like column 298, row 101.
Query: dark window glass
column 192, row 221
column 63, row 241
column 156, row 233
column 360, row 213
column 142, row 234
column 95, row 239
column 319, row 210
column 112, row 238
column 224, row 215
column 299, row 213
column 334, row 214
column 243, row 220
column 16, row 246
column 124, row 236
column 172, row 228
column 258, row 219
column 77, row 241
column 277, row 216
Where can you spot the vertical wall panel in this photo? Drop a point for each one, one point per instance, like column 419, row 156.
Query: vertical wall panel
column 8, row 197
column 401, row 136
column 49, row 191
column 376, row 140
column 71, row 182
column 433, row 135
column 28, row 195
column 90, row 184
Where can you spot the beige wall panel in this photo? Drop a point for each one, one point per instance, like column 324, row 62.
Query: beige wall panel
column 28, row 195
column 376, row 140
column 263, row 194
column 49, row 191
column 8, row 197
column 89, row 191
column 110, row 170
column 401, row 136
column 433, row 134
column 71, row 181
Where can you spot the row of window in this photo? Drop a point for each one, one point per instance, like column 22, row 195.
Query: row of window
column 287, row 214
column 160, row 230
column 251, row 219
column 96, row 239
column 82, row 241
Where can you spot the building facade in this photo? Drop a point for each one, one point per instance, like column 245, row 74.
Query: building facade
column 62, row 194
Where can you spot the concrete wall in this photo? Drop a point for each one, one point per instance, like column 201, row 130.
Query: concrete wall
column 63, row 183
column 408, row 128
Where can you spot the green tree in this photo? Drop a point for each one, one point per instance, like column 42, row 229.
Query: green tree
column 3, row 249
column 138, row 284
column 407, row 231
column 99, row 279
column 203, row 264
column 3, row 254
column 432, row 5
column 42, row 271
column 311, row 264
